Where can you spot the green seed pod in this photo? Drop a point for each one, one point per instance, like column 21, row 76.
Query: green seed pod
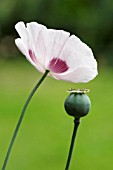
column 77, row 104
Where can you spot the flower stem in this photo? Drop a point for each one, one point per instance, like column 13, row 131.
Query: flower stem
column 76, row 123
column 21, row 118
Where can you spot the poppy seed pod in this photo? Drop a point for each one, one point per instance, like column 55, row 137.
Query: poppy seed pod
column 77, row 104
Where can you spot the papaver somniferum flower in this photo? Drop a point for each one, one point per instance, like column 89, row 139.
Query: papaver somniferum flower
column 66, row 57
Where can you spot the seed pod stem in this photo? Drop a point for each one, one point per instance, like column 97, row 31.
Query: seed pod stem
column 76, row 124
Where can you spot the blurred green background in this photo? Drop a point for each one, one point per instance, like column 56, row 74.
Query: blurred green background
column 44, row 137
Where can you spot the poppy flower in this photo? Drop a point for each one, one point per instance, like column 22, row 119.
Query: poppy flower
column 66, row 57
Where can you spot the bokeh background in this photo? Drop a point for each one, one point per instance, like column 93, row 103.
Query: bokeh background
column 44, row 137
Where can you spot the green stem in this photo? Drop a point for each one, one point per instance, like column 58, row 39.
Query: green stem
column 21, row 118
column 76, row 123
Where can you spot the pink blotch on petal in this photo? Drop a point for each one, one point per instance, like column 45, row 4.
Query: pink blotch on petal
column 32, row 56
column 57, row 65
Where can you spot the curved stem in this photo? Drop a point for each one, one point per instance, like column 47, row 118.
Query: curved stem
column 21, row 118
column 76, row 123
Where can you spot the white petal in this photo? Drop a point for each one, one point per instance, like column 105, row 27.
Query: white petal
column 80, row 75
column 33, row 29
column 21, row 46
column 49, row 45
column 76, row 54
column 21, row 29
